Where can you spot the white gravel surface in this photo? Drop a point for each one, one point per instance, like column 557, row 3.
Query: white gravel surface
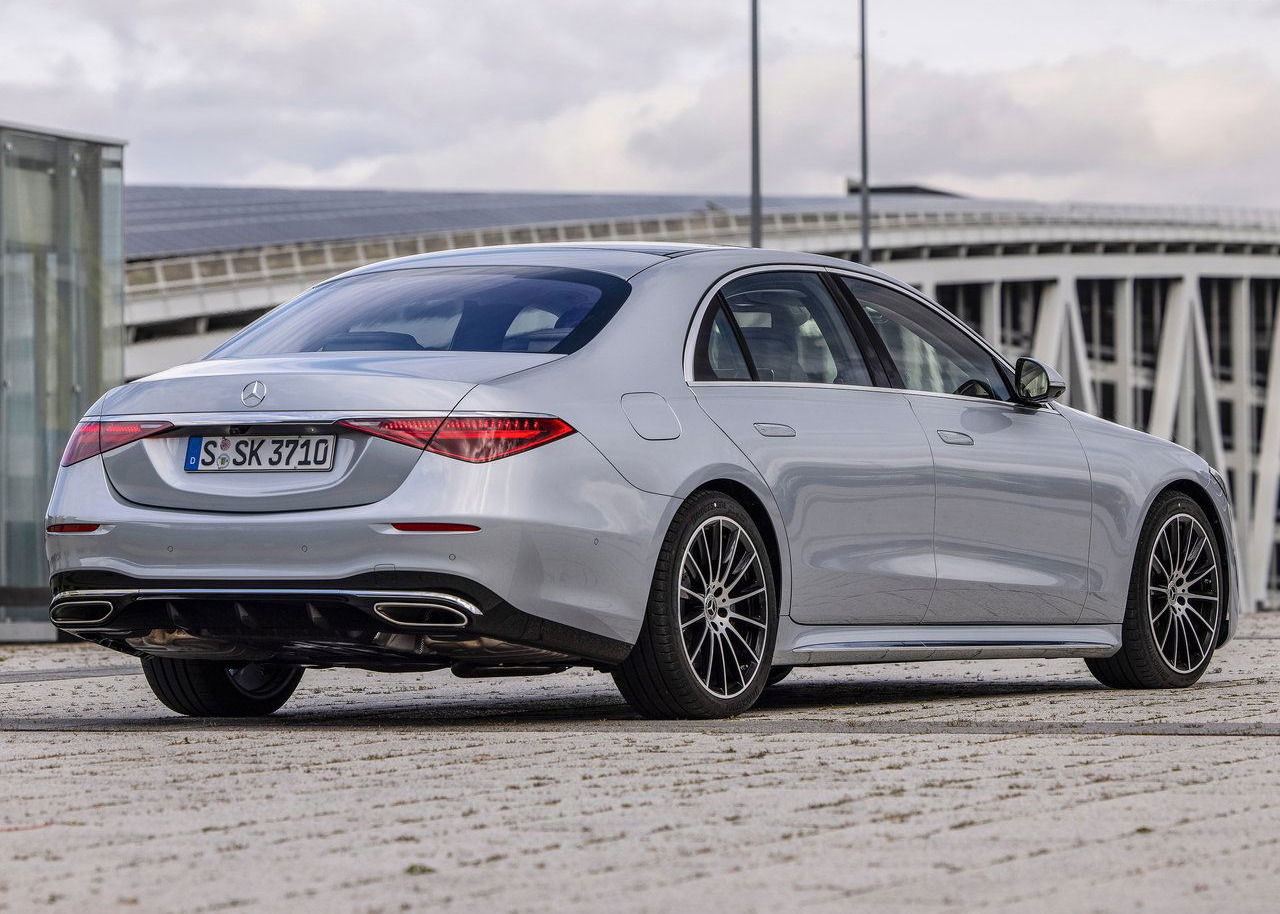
column 994, row 786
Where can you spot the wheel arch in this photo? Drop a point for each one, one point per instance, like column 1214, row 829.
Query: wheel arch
column 1200, row 495
column 764, row 522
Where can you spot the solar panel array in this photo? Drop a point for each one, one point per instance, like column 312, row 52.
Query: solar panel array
column 166, row 221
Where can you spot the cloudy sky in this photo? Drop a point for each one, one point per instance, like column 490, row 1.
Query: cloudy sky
column 1124, row 100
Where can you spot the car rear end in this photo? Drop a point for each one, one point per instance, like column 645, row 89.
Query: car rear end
column 318, row 493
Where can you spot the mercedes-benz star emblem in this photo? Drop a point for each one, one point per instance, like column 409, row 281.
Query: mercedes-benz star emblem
column 254, row 393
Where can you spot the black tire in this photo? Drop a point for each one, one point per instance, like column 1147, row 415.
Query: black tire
column 777, row 674
column 657, row 679
column 1140, row 664
column 207, row 688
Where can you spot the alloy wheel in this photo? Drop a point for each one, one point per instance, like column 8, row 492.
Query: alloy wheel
column 1183, row 593
column 724, row 607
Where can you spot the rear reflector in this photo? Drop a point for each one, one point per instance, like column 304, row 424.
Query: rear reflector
column 92, row 437
column 72, row 528
column 436, row 528
column 475, row 439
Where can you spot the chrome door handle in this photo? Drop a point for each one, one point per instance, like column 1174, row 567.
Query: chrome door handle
column 775, row 430
column 951, row 437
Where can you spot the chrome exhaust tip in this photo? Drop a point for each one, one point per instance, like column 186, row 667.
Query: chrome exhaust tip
column 432, row 611
column 81, row 612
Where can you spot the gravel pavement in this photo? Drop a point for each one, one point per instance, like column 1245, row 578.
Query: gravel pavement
column 991, row 786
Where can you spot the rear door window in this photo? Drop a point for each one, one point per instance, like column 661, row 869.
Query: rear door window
column 793, row 330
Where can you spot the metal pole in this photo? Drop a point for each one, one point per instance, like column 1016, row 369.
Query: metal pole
column 864, row 191
column 756, row 234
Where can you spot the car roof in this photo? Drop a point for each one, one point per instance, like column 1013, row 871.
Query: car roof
column 621, row 259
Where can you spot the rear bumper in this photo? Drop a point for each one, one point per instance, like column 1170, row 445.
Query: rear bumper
column 563, row 538
column 382, row 620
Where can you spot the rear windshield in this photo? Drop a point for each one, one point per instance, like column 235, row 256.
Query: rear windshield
column 439, row 309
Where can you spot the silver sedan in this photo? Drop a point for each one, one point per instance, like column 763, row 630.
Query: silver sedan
column 692, row 467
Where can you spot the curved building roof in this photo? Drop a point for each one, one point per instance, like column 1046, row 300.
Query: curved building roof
column 171, row 221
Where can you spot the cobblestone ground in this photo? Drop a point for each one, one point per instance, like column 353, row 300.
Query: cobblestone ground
column 999, row 786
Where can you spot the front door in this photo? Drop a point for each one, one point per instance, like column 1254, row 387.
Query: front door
column 1011, row 531
column 778, row 369
column 1014, row 493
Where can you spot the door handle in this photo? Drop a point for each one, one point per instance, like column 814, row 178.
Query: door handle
column 951, row 437
column 775, row 430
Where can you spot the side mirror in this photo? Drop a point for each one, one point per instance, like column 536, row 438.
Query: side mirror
column 1037, row 383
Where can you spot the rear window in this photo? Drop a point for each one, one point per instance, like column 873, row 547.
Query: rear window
column 439, row 309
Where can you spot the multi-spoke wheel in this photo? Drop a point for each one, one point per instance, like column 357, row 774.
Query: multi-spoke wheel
column 1176, row 601
column 724, row 607
column 206, row 688
column 707, row 641
column 1182, row 593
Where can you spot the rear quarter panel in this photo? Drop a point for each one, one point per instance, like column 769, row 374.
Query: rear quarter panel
column 642, row 351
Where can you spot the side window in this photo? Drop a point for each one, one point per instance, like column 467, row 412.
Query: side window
column 932, row 354
column 718, row 356
column 794, row 330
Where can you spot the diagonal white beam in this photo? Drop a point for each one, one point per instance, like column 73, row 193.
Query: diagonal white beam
column 1206, row 394
column 1046, row 344
column 1169, row 362
column 1078, row 360
column 1263, row 529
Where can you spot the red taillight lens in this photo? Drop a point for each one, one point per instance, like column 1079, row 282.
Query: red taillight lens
column 93, row 437
column 413, row 432
column 481, row 439
column 475, row 439
column 72, row 528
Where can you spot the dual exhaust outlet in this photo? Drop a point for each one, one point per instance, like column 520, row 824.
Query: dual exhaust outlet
column 404, row 610
column 436, row 611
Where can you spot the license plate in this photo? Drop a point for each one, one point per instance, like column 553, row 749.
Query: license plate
column 259, row 453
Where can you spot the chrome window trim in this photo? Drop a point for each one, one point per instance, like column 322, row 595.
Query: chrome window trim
column 708, row 298
column 903, row 391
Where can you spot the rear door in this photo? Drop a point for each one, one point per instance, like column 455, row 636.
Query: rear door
column 1014, row 493
column 778, row 368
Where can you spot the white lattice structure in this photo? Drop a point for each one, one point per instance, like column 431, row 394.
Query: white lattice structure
column 1162, row 318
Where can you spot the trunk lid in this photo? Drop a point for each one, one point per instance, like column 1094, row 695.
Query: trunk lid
column 284, row 396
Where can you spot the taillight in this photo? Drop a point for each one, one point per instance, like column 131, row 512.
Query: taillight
column 475, row 439
column 92, row 437
column 413, row 432
column 481, row 439
column 72, row 528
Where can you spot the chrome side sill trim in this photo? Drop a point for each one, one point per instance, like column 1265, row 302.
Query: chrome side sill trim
column 813, row 645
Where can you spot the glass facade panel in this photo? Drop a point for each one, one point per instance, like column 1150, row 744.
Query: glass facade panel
column 1263, row 297
column 1019, row 308
column 61, row 332
column 964, row 300
column 1098, row 314
column 1150, row 296
column 1215, row 302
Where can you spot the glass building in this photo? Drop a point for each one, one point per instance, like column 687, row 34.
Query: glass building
column 61, row 334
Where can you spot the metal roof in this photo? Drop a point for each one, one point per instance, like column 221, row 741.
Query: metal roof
column 162, row 221
column 171, row 221
column 61, row 134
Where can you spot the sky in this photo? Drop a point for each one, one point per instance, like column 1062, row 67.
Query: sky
column 1161, row 101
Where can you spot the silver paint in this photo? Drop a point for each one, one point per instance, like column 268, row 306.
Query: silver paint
column 887, row 531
